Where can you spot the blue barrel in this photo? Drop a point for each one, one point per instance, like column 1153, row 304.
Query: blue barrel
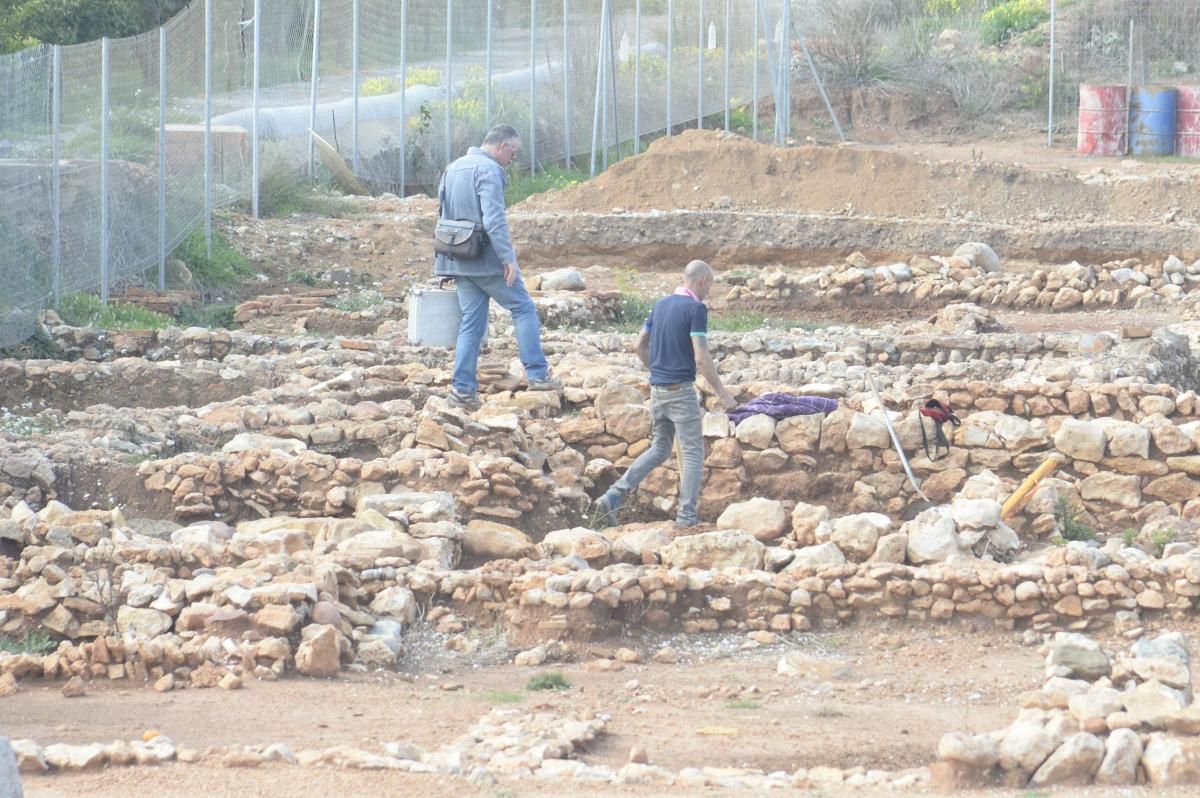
column 1152, row 121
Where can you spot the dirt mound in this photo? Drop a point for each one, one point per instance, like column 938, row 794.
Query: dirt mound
column 707, row 170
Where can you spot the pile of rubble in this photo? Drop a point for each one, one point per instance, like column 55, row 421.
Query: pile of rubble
column 1115, row 721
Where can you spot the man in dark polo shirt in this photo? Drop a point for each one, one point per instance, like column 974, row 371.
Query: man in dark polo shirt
column 674, row 346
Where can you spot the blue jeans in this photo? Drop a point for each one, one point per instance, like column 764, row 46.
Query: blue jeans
column 672, row 410
column 474, row 295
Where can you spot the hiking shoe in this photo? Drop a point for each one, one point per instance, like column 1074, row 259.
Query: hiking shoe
column 604, row 512
column 545, row 384
column 467, row 401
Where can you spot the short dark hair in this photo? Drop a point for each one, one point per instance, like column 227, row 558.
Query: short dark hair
column 500, row 134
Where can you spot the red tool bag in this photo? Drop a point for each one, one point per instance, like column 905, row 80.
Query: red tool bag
column 940, row 413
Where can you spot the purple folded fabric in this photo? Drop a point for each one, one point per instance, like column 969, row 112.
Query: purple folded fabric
column 782, row 405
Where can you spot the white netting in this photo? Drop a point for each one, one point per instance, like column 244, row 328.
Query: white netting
column 402, row 113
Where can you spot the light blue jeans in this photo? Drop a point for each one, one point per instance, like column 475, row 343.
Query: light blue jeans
column 672, row 410
column 474, row 295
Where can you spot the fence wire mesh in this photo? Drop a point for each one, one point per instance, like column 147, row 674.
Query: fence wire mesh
column 408, row 84
column 421, row 81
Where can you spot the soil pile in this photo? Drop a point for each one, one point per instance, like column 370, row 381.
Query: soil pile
column 713, row 170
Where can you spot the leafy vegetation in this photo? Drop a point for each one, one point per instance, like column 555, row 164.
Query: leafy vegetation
column 1160, row 539
column 552, row 680
column 302, row 277
column 85, row 310
column 741, row 703
column 226, row 266
column 749, row 320
column 523, row 185
column 383, row 84
column 31, row 642
column 284, row 191
column 1010, row 18
column 503, row 697
column 215, row 316
column 1070, row 527
column 634, row 306
column 24, row 23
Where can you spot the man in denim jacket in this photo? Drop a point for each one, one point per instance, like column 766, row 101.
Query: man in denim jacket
column 472, row 188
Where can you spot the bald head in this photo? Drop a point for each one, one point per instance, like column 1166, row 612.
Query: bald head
column 698, row 277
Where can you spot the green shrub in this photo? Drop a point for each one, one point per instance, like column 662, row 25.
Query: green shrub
column 1129, row 537
column 218, row 316
column 423, row 76
column 524, row 185
column 380, row 85
column 1160, row 539
column 548, row 681
column 1012, row 17
column 85, row 310
column 283, row 191
column 1069, row 525
column 302, row 277
column 226, row 266
column 503, row 697
column 32, row 642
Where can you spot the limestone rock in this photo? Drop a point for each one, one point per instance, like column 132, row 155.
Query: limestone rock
column 805, row 520
column 1122, row 752
column 867, row 430
column 978, row 750
column 319, row 655
column 562, row 280
column 819, row 556
column 395, row 602
column 1075, row 762
column 932, row 536
column 1170, row 761
column 756, row 431
column 578, row 541
column 145, row 623
column 1081, row 440
column 720, row 549
column 252, row 441
column 496, row 541
column 857, row 535
column 765, row 519
column 1080, row 655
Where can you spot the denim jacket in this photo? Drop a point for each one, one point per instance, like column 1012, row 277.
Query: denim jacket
column 473, row 188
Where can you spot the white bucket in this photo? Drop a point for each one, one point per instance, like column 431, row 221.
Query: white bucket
column 433, row 317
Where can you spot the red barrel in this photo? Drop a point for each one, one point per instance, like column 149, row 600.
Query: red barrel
column 1103, row 120
column 1187, row 122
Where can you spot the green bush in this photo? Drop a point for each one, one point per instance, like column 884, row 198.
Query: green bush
column 380, row 85
column 284, row 191
column 423, row 76
column 33, row 642
column 1069, row 525
column 217, row 316
column 1012, row 17
column 524, row 185
column 548, row 681
column 225, row 268
column 85, row 310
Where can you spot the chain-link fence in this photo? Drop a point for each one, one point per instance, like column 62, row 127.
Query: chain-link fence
column 112, row 152
column 1122, row 42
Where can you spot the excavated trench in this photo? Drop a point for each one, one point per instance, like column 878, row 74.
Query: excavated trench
column 662, row 240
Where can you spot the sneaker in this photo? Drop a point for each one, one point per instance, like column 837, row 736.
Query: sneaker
column 467, row 401
column 604, row 512
column 545, row 384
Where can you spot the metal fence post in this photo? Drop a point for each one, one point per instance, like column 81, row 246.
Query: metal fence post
column 728, row 44
column 56, row 170
column 312, row 107
column 532, row 87
column 1050, row 113
column 566, row 65
column 254, row 145
column 599, row 87
column 162, row 158
column 637, row 77
column 449, row 53
column 354, row 67
column 602, row 71
column 700, row 70
column 754, row 77
column 104, row 238
column 403, row 95
column 208, row 170
column 487, row 67
column 670, row 50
